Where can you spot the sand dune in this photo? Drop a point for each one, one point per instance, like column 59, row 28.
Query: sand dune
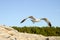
column 8, row 33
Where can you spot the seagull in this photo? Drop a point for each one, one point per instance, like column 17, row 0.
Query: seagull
column 33, row 19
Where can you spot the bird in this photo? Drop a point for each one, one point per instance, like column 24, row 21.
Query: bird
column 34, row 20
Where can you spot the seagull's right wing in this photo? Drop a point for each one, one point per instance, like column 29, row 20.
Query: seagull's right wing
column 48, row 22
column 23, row 20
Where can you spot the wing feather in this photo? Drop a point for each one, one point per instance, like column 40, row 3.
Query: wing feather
column 32, row 17
column 46, row 20
column 22, row 20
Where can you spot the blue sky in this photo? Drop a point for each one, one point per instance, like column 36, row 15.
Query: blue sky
column 13, row 11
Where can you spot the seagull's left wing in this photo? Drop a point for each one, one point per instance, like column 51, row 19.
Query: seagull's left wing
column 32, row 17
column 23, row 20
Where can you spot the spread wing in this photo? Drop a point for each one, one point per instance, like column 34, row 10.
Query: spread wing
column 46, row 20
column 23, row 20
column 49, row 24
column 32, row 17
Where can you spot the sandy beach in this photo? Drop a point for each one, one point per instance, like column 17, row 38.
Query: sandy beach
column 8, row 33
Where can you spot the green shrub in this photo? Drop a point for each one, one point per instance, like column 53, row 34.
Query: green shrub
column 47, row 31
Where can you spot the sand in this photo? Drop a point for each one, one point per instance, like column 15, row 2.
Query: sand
column 8, row 33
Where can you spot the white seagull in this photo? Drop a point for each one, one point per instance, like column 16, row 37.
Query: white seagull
column 37, row 20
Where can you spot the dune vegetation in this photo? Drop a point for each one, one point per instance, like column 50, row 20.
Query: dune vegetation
column 46, row 31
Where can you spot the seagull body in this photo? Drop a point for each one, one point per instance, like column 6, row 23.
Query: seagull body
column 34, row 20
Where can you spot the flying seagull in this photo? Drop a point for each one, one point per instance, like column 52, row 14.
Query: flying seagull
column 33, row 19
